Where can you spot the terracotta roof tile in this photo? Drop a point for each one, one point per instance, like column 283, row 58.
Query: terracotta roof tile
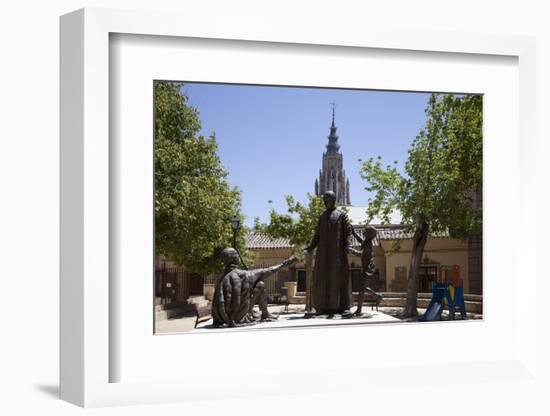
column 256, row 240
column 401, row 234
column 263, row 241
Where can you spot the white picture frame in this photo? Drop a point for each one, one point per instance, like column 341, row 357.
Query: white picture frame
column 87, row 356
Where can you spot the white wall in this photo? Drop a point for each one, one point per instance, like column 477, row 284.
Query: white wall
column 29, row 171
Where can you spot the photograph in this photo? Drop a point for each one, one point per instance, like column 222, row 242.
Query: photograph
column 280, row 207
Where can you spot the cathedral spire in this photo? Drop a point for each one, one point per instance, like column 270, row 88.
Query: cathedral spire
column 333, row 146
column 332, row 176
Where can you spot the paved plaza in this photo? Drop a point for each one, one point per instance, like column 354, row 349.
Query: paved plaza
column 293, row 318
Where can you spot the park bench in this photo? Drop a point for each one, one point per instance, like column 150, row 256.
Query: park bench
column 372, row 300
column 203, row 313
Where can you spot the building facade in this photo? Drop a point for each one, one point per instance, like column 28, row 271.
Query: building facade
column 391, row 256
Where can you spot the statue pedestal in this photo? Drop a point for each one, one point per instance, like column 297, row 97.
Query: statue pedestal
column 292, row 289
column 208, row 291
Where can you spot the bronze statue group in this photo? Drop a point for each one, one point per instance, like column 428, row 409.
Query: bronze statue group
column 238, row 290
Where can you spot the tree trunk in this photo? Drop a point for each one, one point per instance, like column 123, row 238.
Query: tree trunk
column 419, row 241
column 309, row 281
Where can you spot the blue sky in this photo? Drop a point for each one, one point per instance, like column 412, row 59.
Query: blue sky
column 271, row 139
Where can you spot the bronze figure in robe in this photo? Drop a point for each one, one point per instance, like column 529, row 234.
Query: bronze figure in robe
column 331, row 287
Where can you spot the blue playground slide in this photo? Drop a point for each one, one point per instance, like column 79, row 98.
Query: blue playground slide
column 433, row 313
column 452, row 292
column 440, row 291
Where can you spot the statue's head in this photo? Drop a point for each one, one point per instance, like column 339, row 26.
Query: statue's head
column 329, row 198
column 369, row 233
column 229, row 256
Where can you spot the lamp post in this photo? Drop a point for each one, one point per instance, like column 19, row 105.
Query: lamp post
column 235, row 226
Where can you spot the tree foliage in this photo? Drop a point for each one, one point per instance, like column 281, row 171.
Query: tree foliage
column 193, row 200
column 442, row 173
column 297, row 224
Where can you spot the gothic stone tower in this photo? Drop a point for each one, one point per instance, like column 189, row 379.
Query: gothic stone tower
column 332, row 176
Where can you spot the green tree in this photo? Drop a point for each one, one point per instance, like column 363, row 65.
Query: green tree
column 297, row 224
column 193, row 200
column 442, row 173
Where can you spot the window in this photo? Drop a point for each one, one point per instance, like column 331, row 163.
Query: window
column 426, row 277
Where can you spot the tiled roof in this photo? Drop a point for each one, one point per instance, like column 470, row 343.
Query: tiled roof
column 263, row 241
column 256, row 240
column 355, row 243
column 399, row 233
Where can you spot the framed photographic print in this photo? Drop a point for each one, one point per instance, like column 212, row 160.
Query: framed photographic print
column 287, row 203
column 227, row 250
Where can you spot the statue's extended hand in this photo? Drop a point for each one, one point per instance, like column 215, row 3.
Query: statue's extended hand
column 291, row 260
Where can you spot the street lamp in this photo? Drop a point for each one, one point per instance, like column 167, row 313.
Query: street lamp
column 235, row 226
